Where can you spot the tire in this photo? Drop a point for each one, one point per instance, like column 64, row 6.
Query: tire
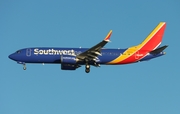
column 87, row 70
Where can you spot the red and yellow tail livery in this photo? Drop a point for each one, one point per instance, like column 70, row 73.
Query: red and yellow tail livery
column 138, row 52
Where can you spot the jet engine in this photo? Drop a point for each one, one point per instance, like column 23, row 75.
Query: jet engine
column 68, row 62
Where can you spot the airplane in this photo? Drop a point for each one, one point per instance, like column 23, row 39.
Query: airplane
column 73, row 58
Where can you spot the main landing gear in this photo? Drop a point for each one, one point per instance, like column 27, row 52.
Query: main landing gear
column 87, row 70
column 87, row 66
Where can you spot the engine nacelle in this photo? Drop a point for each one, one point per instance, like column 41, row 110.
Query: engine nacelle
column 68, row 59
column 68, row 66
column 68, row 62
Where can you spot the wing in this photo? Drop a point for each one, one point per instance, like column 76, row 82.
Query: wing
column 92, row 53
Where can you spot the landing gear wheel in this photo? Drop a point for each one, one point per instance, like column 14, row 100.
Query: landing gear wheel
column 24, row 67
column 87, row 70
column 87, row 66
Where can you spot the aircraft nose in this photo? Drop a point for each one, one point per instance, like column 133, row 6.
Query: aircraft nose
column 11, row 56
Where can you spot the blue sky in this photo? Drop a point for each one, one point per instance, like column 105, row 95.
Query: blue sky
column 145, row 88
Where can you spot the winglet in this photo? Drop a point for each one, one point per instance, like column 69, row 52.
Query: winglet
column 108, row 36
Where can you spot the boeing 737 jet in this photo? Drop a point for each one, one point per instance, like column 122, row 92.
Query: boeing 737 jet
column 73, row 58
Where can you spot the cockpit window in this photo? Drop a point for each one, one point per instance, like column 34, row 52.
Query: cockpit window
column 18, row 51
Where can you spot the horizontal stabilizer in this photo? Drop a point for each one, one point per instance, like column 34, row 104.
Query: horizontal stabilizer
column 159, row 50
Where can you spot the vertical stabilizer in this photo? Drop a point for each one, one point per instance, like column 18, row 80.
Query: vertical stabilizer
column 154, row 39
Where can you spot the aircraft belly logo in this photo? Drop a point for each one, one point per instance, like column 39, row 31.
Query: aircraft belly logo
column 53, row 52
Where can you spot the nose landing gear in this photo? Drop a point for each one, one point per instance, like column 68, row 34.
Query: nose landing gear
column 24, row 67
column 23, row 63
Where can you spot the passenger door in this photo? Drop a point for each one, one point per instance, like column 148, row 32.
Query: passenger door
column 28, row 52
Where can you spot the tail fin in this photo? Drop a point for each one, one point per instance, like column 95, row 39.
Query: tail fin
column 154, row 39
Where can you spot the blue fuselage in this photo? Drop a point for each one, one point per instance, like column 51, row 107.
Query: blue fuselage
column 53, row 55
